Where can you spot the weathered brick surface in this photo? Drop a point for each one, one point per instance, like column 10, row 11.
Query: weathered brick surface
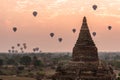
column 85, row 64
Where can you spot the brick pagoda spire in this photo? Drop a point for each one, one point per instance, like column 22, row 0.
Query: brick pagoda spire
column 85, row 64
column 85, row 49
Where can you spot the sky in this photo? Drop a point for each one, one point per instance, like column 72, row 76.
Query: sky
column 59, row 17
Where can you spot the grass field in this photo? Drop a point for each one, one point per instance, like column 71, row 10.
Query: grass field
column 15, row 78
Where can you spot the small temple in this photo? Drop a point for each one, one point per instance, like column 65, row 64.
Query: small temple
column 85, row 64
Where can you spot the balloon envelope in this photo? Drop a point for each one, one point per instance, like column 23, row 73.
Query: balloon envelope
column 34, row 13
column 21, row 48
column 94, row 33
column 24, row 44
column 52, row 34
column 37, row 49
column 13, row 51
column 18, row 44
column 94, row 7
column 109, row 27
column 74, row 30
column 60, row 39
column 9, row 51
column 14, row 29
column 12, row 47
column 34, row 49
column 25, row 47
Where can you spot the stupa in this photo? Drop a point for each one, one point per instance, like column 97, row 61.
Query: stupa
column 85, row 64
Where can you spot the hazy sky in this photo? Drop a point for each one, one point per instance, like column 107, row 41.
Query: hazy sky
column 60, row 17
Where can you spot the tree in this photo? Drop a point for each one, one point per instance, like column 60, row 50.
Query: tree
column 40, row 75
column 11, row 62
column 1, row 62
column 37, row 63
column 25, row 60
column 118, row 78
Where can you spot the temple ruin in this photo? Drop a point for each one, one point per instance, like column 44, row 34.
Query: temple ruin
column 85, row 64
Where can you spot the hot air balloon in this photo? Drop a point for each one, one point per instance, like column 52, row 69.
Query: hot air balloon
column 9, row 51
column 109, row 27
column 40, row 51
column 52, row 34
column 60, row 39
column 74, row 30
column 94, row 7
column 25, row 47
column 34, row 49
column 13, row 51
column 24, row 44
column 14, row 29
column 12, row 47
column 37, row 49
column 34, row 13
column 18, row 44
column 94, row 33
column 21, row 48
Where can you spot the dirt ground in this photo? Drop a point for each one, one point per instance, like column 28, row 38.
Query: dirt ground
column 15, row 78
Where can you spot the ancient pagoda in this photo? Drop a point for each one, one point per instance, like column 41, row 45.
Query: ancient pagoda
column 85, row 64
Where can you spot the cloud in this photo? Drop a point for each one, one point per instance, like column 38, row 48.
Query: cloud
column 21, row 4
column 108, row 15
column 52, row 8
column 24, row 5
column 60, row 1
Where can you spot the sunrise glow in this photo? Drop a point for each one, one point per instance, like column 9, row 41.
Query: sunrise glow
column 60, row 17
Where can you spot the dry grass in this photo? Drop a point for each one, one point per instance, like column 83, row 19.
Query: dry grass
column 15, row 78
column 49, row 71
column 117, row 72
